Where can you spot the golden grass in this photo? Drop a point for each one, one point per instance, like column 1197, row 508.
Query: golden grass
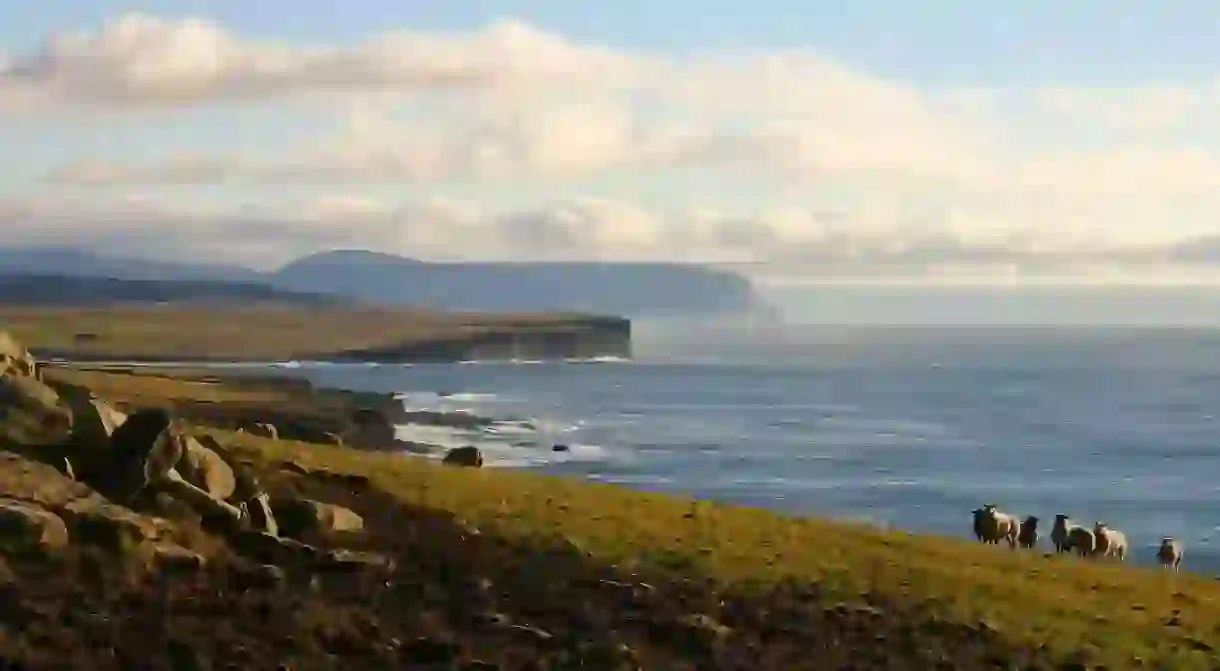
column 152, row 389
column 1114, row 615
column 262, row 332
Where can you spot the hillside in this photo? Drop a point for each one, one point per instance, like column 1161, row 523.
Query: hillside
column 611, row 288
column 182, row 543
column 197, row 332
column 81, row 291
column 627, row 289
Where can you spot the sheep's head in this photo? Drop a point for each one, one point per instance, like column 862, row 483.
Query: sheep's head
column 1031, row 520
column 989, row 508
column 1100, row 525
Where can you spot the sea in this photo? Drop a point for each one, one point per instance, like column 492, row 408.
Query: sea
column 904, row 427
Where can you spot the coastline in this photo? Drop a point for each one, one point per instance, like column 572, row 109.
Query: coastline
column 663, row 580
column 176, row 332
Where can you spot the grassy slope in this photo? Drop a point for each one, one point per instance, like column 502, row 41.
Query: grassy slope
column 263, row 332
column 1110, row 614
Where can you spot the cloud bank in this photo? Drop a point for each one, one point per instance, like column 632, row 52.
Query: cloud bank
column 787, row 160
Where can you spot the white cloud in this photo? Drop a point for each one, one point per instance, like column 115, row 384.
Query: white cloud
column 878, row 175
column 143, row 60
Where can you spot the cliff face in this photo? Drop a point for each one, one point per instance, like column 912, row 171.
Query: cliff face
column 597, row 337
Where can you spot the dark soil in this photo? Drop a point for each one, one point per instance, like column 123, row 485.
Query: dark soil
column 458, row 599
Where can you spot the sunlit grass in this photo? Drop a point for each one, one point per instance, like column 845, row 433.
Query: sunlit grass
column 1113, row 614
column 259, row 332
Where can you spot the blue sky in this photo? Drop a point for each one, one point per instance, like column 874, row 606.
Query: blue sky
column 935, row 41
column 921, row 142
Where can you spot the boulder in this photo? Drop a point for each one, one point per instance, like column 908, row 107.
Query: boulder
column 205, row 469
column 109, row 526
column 301, row 516
column 245, row 482
column 93, row 421
column 31, row 412
column 270, row 549
column 15, row 357
column 24, row 526
column 464, row 456
column 258, row 513
column 263, row 430
column 353, row 561
column 171, row 557
column 143, row 450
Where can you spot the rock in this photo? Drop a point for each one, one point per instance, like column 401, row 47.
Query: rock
column 65, row 467
column 31, row 413
column 560, row 448
column 300, row 516
column 94, row 421
column 8, row 577
column 331, row 438
column 15, row 357
column 257, row 510
column 246, row 483
column 464, row 456
column 205, row 469
column 430, row 652
column 109, row 526
column 143, row 450
column 170, row 557
column 28, row 393
column 28, row 527
column 258, row 576
column 351, row 560
column 268, row 549
column 263, row 430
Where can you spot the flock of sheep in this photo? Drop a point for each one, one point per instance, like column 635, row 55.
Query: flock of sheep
column 992, row 526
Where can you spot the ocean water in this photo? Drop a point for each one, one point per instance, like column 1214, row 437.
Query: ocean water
column 904, row 427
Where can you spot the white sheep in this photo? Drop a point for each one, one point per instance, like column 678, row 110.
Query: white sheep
column 1170, row 553
column 1111, row 543
column 1082, row 540
column 1000, row 526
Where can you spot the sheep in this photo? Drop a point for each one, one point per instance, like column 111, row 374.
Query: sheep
column 980, row 525
column 1061, row 533
column 999, row 526
column 1170, row 553
column 1111, row 543
column 1027, row 537
column 1082, row 540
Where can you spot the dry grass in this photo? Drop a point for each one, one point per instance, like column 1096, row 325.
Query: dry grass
column 255, row 333
column 1105, row 614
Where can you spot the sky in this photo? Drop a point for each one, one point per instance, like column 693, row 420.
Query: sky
column 932, row 143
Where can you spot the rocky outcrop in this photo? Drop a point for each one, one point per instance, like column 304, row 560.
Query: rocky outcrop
column 301, row 517
column 464, row 456
column 24, row 527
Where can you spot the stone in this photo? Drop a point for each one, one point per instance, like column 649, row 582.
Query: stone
column 353, row 560
column 204, row 468
column 268, row 549
column 468, row 455
column 109, row 526
column 300, row 516
column 263, row 430
column 143, row 450
column 171, row 557
column 15, row 357
column 24, row 526
column 257, row 510
column 31, row 413
column 94, row 421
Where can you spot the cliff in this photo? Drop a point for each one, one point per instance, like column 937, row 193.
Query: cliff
column 286, row 333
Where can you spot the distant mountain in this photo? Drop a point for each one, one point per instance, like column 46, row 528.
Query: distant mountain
column 64, row 261
column 629, row 289
column 626, row 289
column 80, row 291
